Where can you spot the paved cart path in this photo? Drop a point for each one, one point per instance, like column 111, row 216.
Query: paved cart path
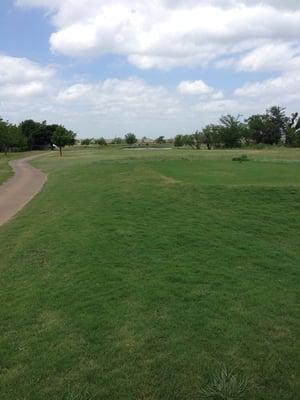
column 18, row 190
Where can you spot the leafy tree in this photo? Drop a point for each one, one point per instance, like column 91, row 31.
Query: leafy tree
column 117, row 140
column 189, row 140
column 293, row 131
column 276, row 125
column 101, row 141
column 38, row 135
column 257, row 128
column 30, row 129
column 210, row 136
column 178, row 141
column 130, row 138
column 62, row 137
column 17, row 141
column 160, row 140
column 44, row 135
column 4, row 136
column 86, row 142
column 11, row 137
column 230, row 131
column 198, row 139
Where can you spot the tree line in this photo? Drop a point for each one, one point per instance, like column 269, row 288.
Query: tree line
column 32, row 135
column 271, row 128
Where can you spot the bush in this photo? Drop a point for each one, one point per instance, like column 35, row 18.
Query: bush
column 226, row 385
column 101, row 142
column 86, row 142
column 242, row 158
column 130, row 138
column 117, row 140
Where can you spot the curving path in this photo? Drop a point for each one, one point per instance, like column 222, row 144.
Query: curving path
column 17, row 191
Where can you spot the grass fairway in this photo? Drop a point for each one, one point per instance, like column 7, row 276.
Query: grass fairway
column 139, row 274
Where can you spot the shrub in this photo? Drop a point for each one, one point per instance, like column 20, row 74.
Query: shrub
column 242, row 158
column 86, row 142
column 226, row 385
column 101, row 141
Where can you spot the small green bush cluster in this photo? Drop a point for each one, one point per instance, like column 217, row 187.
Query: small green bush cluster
column 242, row 158
column 226, row 385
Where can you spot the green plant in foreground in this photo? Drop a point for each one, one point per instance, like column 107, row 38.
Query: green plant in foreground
column 82, row 395
column 242, row 158
column 226, row 385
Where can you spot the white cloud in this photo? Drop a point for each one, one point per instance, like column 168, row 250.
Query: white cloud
column 219, row 107
column 284, row 89
column 164, row 33
column 22, row 77
column 13, row 69
column 270, row 56
column 199, row 88
column 115, row 98
column 22, row 89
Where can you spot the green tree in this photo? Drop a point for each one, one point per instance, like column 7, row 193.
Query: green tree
column 198, row 139
column 257, row 128
column 130, row 138
column 293, row 131
column 230, row 131
column 86, row 141
column 117, row 140
column 189, row 140
column 178, row 141
column 276, row 125
column 30, row 129
column 160, row 140
column 11, row 137
column 62, row 137
column 211, row 136
column 101, row 141
column 4, row 136
column 38, row 135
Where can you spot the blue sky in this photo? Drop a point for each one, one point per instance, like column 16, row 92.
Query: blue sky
column 103, row 68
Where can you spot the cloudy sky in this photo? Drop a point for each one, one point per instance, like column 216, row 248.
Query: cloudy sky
column 159, row 67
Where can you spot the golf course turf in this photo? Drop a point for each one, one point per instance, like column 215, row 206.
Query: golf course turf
column 146, row 274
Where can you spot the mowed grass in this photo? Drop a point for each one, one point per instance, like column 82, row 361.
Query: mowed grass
column 143, row 274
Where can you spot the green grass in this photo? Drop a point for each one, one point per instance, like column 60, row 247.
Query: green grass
column 147, row 274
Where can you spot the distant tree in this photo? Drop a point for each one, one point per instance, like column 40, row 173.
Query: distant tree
column 117, row 140
column 257, row 128
column 31, row 130
column 130, row 138
column 16, row 141
column 198, row 139
column 293, row 131
column 86, row 142
column 101, row 141
column 189, row 140
column 277, row 123
column 210, row 136
column 38, row 135
column 269, row 128
column 178, row 141
column 62, row 137
column 4, row 136
column 230, row 130
column 160, row 140
column 11, row 137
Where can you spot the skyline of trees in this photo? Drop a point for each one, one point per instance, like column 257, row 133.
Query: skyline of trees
column 32, row 135
column 271, row 128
